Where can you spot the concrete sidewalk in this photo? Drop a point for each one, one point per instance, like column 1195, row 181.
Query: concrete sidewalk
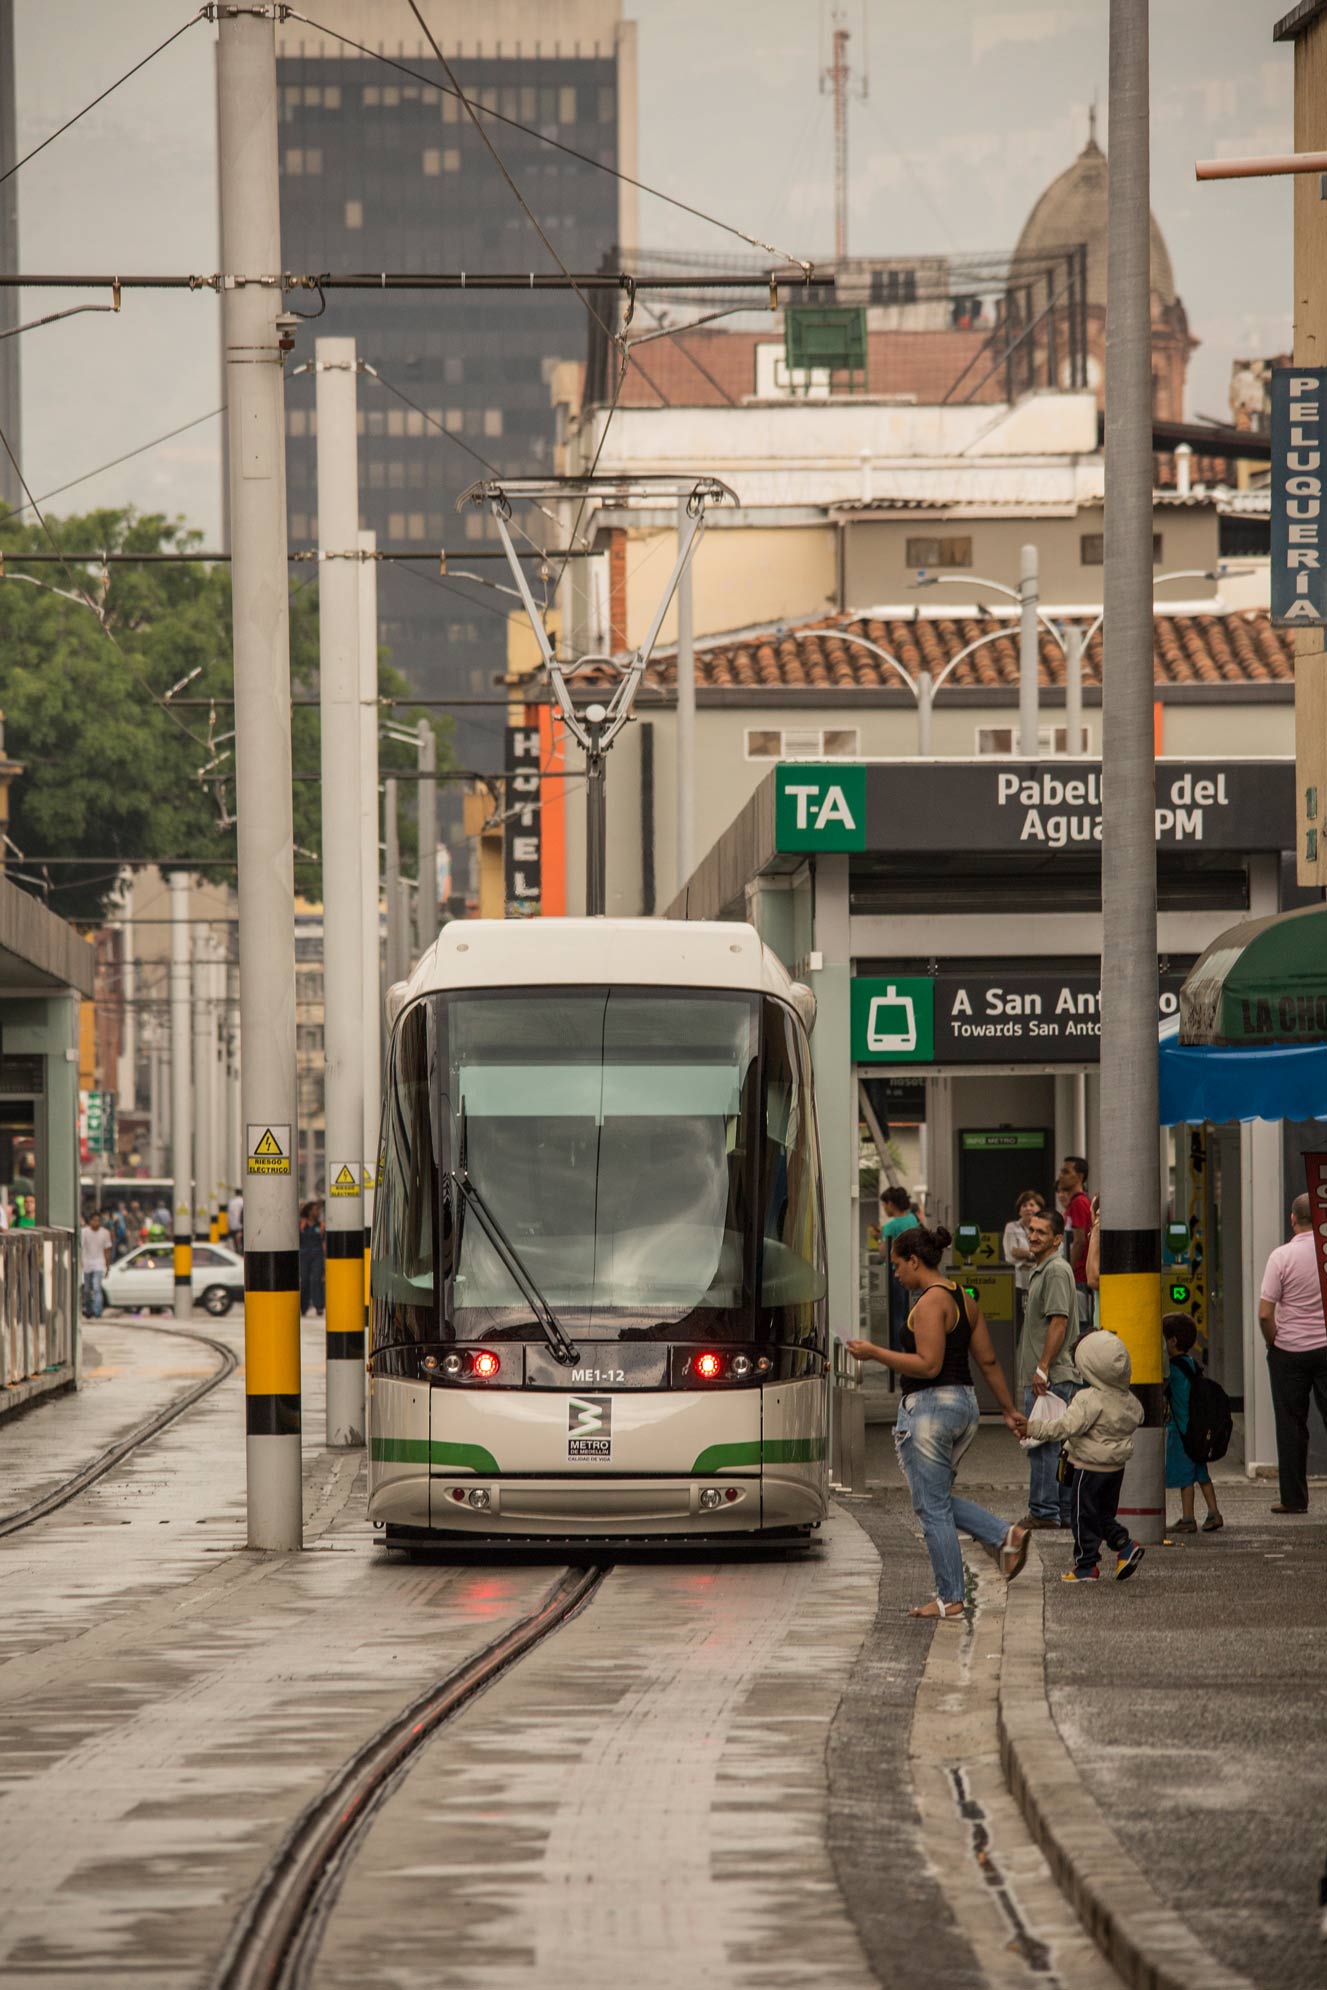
column 1193, row 1703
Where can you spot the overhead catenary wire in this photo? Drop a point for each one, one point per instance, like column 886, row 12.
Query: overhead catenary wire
column 586, row 159
column 110, row 90
column 115, row 463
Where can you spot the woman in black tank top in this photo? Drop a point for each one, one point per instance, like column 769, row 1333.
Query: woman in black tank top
column 938, row 1416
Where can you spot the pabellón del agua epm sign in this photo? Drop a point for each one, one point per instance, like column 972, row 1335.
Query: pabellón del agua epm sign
column 1299, row 576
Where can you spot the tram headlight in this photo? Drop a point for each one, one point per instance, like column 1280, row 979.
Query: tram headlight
column 741, row 1367
column 452, row 1365
column 485, row 1366
column 710, row 1497
column 481, row 1499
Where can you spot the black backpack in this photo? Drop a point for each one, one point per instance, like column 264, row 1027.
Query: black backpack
column 1211, row 1423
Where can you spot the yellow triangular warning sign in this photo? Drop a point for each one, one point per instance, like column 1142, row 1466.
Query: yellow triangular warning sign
column 345, row 1179
column 269, row 1144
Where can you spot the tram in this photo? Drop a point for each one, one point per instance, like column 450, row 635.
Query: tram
column 598, row 1284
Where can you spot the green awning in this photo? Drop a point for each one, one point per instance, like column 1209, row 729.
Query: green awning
column 1262, row 983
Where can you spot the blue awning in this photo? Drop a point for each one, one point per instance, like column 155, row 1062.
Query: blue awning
column 1201, row 1082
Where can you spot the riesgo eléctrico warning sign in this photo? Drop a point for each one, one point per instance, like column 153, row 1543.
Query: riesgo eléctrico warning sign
column 343, row 1178
column 267, row 1149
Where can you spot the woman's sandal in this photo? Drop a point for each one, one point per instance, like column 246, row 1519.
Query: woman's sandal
column 1014, row 1553
column 937, row 1612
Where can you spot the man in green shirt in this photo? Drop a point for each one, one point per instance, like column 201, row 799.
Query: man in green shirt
column 1044, row 1364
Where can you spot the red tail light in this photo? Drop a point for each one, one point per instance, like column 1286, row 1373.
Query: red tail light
column 486, row 1365
column 707, row 1366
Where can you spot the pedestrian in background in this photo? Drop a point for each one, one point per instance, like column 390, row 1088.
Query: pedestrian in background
column 1016, row 1250
column 896, row 1216
column 1291, row 1317
column 1182, row 1472
column 1072, row 1183
column 1044, row 1363
column 938, row 1416
column 1097, row 1434
column 312, row 1271
column 235, row 1220
column 96, row 1245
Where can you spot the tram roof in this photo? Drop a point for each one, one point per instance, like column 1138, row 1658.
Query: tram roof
column 550, row 953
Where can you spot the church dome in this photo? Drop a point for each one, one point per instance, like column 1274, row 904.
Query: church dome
column 1073, row 209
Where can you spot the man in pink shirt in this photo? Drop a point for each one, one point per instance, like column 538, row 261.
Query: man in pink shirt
column 1291, row 1318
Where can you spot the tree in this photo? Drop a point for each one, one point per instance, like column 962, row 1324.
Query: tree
column 115, row 773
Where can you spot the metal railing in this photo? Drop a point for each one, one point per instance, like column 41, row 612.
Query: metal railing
column 847, row 1408
column 38, row 1305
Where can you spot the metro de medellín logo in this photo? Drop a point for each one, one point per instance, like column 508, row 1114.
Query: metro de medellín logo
column 589, row 1427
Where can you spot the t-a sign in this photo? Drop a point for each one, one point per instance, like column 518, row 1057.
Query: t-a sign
column 820, row 806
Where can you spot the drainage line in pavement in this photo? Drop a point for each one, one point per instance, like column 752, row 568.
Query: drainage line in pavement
column 274, row 1942
column 1035, row 1953
column 105, row 1461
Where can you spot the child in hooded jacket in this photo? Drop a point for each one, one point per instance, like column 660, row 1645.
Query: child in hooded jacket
column 1097, row 1433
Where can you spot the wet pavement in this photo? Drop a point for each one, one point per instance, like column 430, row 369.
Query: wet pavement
column 746, row 1771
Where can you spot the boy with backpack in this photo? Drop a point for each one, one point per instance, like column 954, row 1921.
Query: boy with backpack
column 1199, row 1408
column 1097, row 1434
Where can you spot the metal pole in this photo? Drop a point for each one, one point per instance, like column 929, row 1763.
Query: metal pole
column 391, row 874
column 234, row 1109
column 343, row 911
column 181, row 1096
column 686, row 717
column 1029, row 653
column 1130, row 1191
column 202, row 1089
column 427, row 910
column 1073, row 689
column 255, row 398
column 126, row 1076
column 370, row 944
column 596, row 835
column 155, row 1145
column 925, row 697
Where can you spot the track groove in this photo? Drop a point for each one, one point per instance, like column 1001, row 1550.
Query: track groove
column 105, row 1461
column 276, row 1936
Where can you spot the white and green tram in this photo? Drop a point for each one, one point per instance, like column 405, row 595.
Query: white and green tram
column 598, row 1290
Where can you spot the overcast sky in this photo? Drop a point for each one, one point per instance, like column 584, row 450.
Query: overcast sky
column 973, row 107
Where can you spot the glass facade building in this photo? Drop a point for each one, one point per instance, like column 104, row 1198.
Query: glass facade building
column 380, row 171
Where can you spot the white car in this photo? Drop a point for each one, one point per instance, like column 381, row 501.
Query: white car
column 146, row 1278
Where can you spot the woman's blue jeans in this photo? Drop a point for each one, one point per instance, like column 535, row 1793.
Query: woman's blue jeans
column 934, row 1429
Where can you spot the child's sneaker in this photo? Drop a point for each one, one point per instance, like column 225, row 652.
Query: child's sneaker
column 1128, row 1562
column 1083, row 1575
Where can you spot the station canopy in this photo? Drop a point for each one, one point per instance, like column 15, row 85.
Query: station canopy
column 1250, row 1041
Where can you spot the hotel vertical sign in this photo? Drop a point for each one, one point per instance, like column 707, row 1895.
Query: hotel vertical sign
column 522, row 847
column 1299, row 541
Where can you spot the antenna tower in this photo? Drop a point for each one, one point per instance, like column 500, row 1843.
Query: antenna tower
column 835, row 80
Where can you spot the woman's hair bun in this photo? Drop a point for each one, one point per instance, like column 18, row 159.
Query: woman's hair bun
column 942, row 1236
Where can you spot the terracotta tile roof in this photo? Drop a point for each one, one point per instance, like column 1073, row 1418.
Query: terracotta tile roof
column 1238, row 647
column 704, row 369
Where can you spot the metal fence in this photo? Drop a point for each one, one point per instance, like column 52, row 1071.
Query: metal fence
column 38, row 1305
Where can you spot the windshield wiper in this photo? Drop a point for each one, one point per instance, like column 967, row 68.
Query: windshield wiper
column 546, row 1319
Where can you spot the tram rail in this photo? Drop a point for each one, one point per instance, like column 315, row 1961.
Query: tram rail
column 114, row 1454
column 275, row 1941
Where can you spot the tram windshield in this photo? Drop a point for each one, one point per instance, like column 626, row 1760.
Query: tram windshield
column 649, row 1183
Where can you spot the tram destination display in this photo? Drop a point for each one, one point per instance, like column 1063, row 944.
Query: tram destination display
column 984, row 1017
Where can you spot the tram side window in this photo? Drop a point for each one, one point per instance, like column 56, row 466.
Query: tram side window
column 406, row 1212
column 793, row 1277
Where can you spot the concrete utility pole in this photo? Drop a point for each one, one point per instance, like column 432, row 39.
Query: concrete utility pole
column 686, row 716
column 234, row 1103
column 255, row 398
column 1130, row 1186
column 204, row 1028
column 370, row 945
column 343, row 970
column 391, row 875
column 1029, row 653
column 427, row 909
column 126, row 1076
column 216, row 974
column 181, row 1096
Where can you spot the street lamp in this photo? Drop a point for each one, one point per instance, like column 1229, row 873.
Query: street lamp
column 923, row 686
